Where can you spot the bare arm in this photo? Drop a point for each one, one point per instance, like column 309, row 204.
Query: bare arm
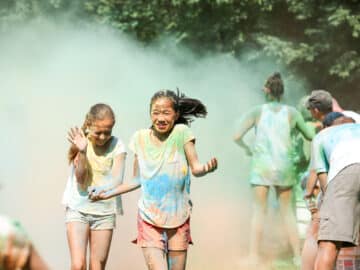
column 301, row 125
column 81, row 168
column 122, row 187
column 198, row 169
column 319, row 162
column 247, row 122
column 118, row 169
column 310, row 184
column 323, row 181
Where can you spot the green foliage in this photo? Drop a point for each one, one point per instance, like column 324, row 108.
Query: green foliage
column 287, row 51
column 318, row 38
column 346, row 64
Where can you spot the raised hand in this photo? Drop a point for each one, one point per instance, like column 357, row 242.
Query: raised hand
column 77, row 137
column 211, row 165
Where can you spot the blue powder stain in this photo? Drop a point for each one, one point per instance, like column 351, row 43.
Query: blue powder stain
column 162, row 186
column 165, row 192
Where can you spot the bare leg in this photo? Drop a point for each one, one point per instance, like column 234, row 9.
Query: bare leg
column 155, row 258
column 310, row 247
column 78, row 236
column 289, row 219
column 100, row 241
column 257, row 222
column 177, row 260
column 326, row 255
column 35, row 262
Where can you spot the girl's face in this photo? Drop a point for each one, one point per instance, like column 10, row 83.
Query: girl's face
column 163, row 115
column 100, row 131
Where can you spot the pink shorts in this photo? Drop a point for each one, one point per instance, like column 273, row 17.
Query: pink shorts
column 174, row 239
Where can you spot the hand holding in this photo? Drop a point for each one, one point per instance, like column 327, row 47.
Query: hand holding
column 96, row 194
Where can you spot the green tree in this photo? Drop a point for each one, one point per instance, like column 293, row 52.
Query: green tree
column 315, row 38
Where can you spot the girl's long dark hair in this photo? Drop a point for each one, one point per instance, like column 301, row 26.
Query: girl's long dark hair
column 188, row 108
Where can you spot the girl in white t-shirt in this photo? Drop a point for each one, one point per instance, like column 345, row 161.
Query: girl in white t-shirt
column 96, row 161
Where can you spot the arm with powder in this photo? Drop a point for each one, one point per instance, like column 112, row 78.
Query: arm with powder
column 122, row 187
column 198, row 169
column 319, row 163
column 310, row 184
column 77, row 137
column 247, row 121
column 302, row 126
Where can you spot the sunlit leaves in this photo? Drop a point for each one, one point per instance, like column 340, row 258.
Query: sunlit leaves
column 347, row 63
column 286, row 51
column 321, row 34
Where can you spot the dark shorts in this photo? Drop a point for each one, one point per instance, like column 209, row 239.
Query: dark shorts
column 340, row 209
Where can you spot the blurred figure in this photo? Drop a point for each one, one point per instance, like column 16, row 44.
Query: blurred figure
column 302, row 149
column 310, row 246
column 16, row 250
column 272, row 161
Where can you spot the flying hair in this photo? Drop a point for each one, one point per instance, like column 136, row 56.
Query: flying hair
column 188, row 108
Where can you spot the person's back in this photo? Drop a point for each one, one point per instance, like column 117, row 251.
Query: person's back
column 336, row 160
column 272, row 161
column 272, row 147
column 340, row 145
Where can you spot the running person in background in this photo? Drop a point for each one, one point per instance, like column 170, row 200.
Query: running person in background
column 96, row 162
column 164, row 156
column 302, row 149
column 272, row 162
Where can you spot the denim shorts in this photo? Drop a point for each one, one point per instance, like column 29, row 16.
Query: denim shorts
column 96, row 222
